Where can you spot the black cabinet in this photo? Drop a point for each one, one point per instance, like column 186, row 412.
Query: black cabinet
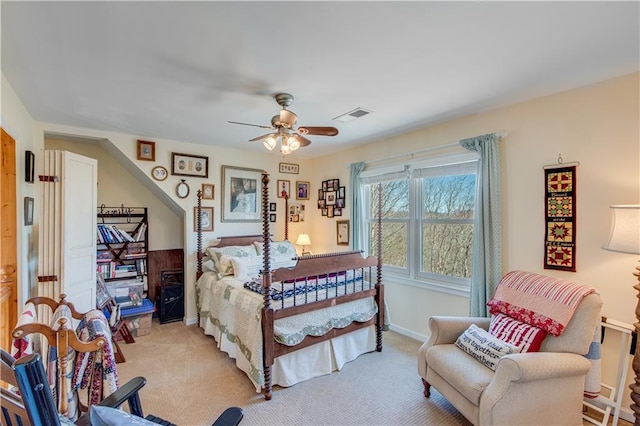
column 171, row 300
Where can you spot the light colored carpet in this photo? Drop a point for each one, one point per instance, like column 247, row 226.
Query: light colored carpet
column 189, row 382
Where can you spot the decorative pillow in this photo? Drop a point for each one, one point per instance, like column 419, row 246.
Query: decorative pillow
column 246, row 268
column 209, row 266
column 107, row 416
column 527, row 337
column 484, row 347
column 224, row 266
column 282, row 254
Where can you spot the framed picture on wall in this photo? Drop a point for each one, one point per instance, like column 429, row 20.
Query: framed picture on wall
column 189, row 165
column 241, row 189
column 284, row 188
column 146, row 150
column 342, row 232
column 302, row 190
column 206, row 218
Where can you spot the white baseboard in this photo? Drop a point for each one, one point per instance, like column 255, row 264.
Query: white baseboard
column 409, row 333
column 191, row 321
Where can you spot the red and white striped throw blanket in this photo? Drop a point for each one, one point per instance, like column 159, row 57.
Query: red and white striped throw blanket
column 550, row 302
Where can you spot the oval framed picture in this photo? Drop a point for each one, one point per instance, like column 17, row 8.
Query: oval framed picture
column 159, row 173
column 182, row 189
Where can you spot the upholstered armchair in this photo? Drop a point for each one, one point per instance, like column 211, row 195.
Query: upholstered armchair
column 543, row 388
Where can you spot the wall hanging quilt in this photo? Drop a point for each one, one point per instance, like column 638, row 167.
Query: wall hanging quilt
column 560, row 238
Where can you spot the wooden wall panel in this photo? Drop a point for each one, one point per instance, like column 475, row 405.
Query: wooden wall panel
column 159, row 261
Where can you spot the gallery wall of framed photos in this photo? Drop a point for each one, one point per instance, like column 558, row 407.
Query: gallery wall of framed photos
column 331, row 198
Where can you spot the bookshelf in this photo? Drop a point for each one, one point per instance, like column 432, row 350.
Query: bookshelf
column 122, row 246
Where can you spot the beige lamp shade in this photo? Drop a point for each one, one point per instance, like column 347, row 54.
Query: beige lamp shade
column 625, row 229
column 303, row 240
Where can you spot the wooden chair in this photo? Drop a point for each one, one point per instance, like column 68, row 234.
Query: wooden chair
column 34, row 405
column 119, row 329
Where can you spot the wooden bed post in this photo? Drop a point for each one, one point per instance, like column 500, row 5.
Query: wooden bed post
column 267, row 311
column 379, row 285
column 198, row 249
column 199, row 233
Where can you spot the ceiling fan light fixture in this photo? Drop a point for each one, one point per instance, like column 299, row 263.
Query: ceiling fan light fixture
column 285, row 150
column 293, row 143
column 270, row 142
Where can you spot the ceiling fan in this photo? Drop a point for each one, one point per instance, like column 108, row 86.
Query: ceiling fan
column 285, row 130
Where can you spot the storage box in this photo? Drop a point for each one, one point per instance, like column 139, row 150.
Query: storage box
column 127, row 293
column 138, row 318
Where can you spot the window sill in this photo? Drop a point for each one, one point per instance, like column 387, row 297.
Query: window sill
column 456, row 290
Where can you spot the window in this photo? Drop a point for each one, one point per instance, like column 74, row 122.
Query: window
column 427, row 219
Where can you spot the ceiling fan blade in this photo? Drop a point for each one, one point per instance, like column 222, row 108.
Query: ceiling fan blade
column 318, row 130
column 303, row 141
column 247, row 124
column 263, row 137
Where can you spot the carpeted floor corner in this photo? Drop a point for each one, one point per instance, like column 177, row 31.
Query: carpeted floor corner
column 190, row 382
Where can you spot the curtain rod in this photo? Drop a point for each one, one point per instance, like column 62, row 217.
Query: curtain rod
column 501, row 135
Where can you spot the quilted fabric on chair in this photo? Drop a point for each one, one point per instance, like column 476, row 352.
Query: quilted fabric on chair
column 543, row 387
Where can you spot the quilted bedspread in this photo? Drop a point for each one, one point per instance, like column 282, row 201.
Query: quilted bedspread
column 236, row 311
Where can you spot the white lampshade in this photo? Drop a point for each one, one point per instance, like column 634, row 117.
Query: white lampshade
column 270, row 143
column 293, row 143
column 303, row 240
column 625, row 229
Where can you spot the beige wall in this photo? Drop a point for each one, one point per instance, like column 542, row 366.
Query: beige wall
column 126, row 144
column 117, row 186
column 17, row 121
column 596, row 125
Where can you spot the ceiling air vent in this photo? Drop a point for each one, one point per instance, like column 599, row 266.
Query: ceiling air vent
column 352, row 115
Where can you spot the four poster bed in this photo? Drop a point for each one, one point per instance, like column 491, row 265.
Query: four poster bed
column 306, row 318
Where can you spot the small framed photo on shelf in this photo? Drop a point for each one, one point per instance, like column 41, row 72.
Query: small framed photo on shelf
column 146, row 150
column 342, row 232
column 189, row 165
column 284, row 188
column 207, row 191
column 206, row 218
column 302, row 190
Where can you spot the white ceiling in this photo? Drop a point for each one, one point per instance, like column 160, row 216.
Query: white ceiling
column 181, row 70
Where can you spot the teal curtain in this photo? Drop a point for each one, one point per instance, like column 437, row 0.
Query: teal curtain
column 357, row 234
column 487, row 232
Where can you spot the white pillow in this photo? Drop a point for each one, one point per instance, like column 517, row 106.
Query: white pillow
column 484, row 347
column 224, row 266
column 209, row 266
column 107, row 416
column 246, row 268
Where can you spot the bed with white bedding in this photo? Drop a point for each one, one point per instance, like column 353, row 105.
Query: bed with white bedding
column 308, row 317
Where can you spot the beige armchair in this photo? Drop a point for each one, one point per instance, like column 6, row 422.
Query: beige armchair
column 541, row 388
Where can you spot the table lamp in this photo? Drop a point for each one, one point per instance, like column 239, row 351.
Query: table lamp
column 304, row 240
column 625, row 238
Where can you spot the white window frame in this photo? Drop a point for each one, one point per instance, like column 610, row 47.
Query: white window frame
column 412, row 274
